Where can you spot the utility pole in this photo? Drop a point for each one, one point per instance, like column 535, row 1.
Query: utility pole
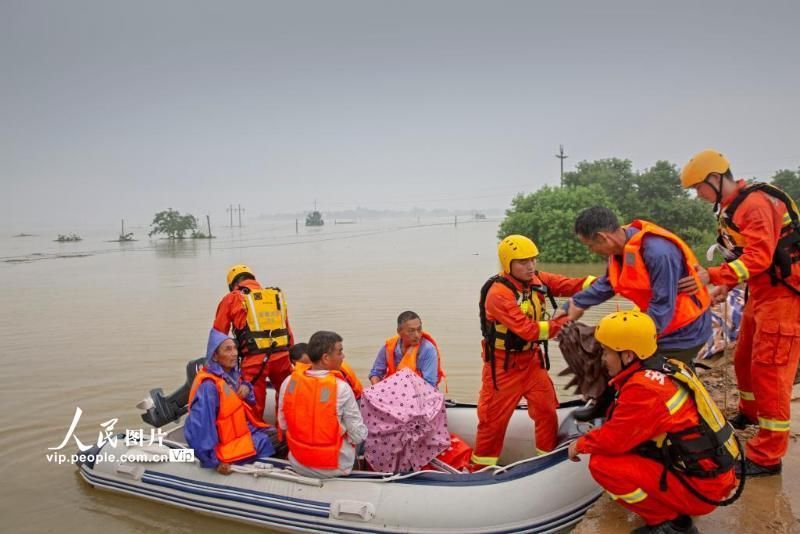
column 240, row 215
column 208, row 221
column 230, row 210
column 562, row 157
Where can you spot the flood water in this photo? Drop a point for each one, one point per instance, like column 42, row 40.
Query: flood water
column 97, row 324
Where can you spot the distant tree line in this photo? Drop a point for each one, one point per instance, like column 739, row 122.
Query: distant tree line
column 655, row 194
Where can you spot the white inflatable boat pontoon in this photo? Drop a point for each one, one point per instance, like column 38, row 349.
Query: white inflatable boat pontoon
column 527, row 494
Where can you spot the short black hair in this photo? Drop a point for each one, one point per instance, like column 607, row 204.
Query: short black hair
column 320, row 343
column 595, row 219
column 297, row 351
column 239, row 278
column 407, row 315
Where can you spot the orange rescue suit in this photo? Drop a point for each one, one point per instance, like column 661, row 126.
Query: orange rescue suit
column 235, row 440
column 313, row 432
column 631, row 280
column 409, row 360
column 768, row 345
column 649, row 404
column 232, row 314
column 523, row 376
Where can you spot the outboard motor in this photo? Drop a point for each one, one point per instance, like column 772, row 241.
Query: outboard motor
column 160, row 410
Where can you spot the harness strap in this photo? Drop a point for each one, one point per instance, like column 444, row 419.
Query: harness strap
column 724, row 502
column 278, row 332
column 786, row 251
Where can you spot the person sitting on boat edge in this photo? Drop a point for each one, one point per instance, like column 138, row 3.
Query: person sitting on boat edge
column 665, row 451
column 515, row 330
column 259, row 320
column 319, row 413
column 298, row 355
column 221, row 426
column 412, row 348
column 644, row 264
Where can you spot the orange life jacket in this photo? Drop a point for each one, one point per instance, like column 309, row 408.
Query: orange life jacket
column 409, row 360
column 631, row 279
column 346, row 373
column 313, row 432
column 235, row 440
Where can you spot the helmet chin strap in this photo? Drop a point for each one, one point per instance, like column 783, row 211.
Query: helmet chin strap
column 622, row 361
column 717, row 193
column 523, row 282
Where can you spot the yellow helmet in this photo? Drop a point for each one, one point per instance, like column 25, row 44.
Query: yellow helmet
column 628, row 330
column 701, row 165
column 236, row 271
column 515, row 247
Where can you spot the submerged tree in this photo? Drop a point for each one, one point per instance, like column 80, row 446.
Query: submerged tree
column 314, row 219
column 173, row 224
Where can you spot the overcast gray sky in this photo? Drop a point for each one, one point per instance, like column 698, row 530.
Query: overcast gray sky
column 113, row 109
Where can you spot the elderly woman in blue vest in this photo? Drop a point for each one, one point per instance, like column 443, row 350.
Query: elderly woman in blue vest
column 221, row 426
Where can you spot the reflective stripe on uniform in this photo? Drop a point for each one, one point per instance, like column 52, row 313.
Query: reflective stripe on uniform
column 540, row 452
column 637, row 495
column 787, row 219
column 775, row 425
column 740, row 270
column 747, row 395
column 544, row 330
column 484, row 460
column 588, row 281
column 674, row 404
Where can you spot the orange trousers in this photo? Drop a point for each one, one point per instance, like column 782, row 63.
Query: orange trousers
column 276, row 370
column 525, row 378
column 767, row 352
column 633, row 481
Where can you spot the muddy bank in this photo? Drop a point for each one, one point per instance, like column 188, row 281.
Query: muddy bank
column 769, row 504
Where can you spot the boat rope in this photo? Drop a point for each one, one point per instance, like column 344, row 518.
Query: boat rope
column 529, row 460
column 272, row 472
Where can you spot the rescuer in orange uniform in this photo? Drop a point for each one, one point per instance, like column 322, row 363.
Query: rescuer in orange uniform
column 759, row 233
column 260, row 323
column 515, row 328
column 657, row 455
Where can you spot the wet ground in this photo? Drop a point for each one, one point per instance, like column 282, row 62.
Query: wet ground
column 770, row 504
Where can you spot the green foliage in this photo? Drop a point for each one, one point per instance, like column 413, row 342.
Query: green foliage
column 548, row 217
column 614, row 176
column 789, row 181
column 660, row 198
column 655, row 194
column 172, row 223
column 314, row 219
